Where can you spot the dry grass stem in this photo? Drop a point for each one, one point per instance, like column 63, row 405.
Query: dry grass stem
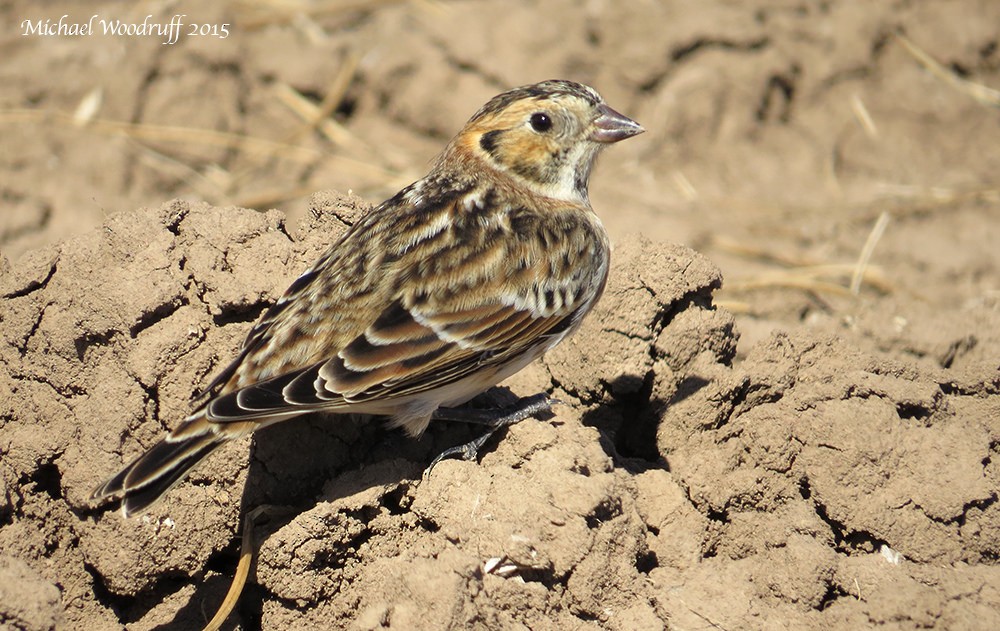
column 832, row 278
column 308, row 112
column 142, row 133
column 866, row 252
column 169, row 134
column 738, row 248
column 738, row 307
column 688, row 191
column 909, row 200
column 982, row 94
column 248, row 549
column 319, row 117
column 209, row 185
column 338, row 87
column 88, row 107
column 864, row 116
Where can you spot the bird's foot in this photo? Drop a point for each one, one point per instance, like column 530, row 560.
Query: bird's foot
column 493, row 418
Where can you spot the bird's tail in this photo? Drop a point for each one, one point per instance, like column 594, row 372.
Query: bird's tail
column 147, row 478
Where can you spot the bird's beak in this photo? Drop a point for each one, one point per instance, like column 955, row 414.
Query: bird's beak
column 611, row 126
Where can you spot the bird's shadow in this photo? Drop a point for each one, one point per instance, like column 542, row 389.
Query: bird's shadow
column 322, row 457
column 627, row 420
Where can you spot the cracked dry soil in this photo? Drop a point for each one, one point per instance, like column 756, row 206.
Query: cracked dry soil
column 759, row 453
column 671, row 487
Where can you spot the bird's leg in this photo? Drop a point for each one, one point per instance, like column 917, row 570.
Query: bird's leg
column 492, row 418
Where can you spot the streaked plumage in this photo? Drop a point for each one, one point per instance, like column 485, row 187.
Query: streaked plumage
column 455, row 283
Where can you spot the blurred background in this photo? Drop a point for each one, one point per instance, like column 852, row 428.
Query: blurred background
column 836, row 159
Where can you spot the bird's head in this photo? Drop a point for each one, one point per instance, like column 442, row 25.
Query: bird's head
column 545, row 135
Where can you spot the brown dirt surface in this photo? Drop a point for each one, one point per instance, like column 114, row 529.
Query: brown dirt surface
column 777, row 431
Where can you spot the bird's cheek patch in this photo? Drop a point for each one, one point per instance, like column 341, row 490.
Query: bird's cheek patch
column 490, row 142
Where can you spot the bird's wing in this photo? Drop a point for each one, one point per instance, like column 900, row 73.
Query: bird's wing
column 459, row 290
column 259, row 334
column 339, row 266
column 406, row 351
column 466, row 305
column 416, row 345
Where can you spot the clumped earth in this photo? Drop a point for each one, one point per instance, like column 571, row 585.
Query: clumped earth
column 811, row 442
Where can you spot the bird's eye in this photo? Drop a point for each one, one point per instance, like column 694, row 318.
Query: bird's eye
column 540, row 122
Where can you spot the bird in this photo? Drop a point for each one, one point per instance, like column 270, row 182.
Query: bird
column 447, row 288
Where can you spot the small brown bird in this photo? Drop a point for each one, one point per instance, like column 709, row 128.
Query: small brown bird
column 457, row 282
